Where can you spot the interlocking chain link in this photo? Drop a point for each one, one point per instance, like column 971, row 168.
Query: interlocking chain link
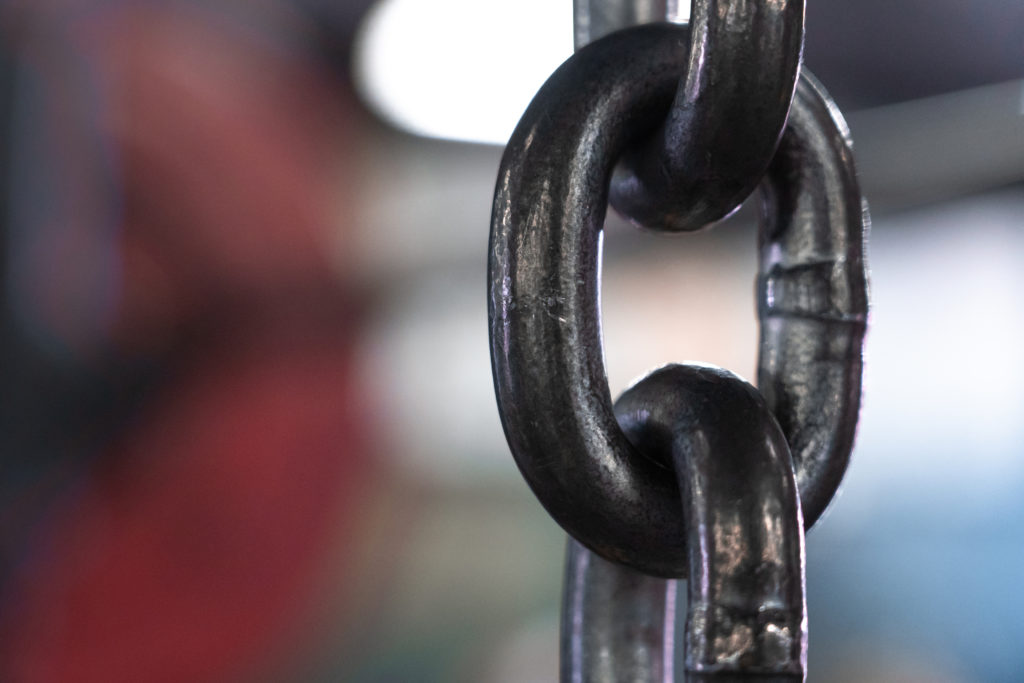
column 631, row 641
column 545, row 324
column 713, row 146
column 701, row 482
column 746, row 610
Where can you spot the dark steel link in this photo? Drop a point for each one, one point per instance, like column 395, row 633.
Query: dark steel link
column 813, row 294
column 618, row 625
column 716, row 142
column 546, row 355
column 746, row 610
column 544, row 259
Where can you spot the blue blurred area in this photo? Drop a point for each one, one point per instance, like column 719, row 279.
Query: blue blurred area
column 920, row 560
column 921, row 591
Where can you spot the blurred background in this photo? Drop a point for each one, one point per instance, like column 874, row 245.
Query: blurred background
column 247, row 428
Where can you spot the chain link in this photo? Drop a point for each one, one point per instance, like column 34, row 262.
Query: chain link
column 711, row 149
column 744, row 614
column 695, row 473
column 545, row 325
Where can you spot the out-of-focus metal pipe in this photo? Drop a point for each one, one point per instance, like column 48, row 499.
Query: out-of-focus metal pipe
column 593, row 19
column 627, row 614
column 618, row 625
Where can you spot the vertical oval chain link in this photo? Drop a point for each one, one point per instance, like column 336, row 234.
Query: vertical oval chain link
column 746, row 611
column 814, row 223
column 545, row 324
column 608, row 488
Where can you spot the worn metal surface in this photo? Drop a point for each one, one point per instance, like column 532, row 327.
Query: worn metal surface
column 618, row 625
column 712, row 149
column 813, row 294
column 746, row 610
column 729, row 109
column 544, row 264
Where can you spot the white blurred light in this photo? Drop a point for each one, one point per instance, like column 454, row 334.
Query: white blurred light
column 459, row 69
column 462, row 69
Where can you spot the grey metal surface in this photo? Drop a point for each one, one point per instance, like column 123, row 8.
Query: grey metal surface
column 713, row 147
column 729, row 110
column 746, row 611
column 546, row 352
column 618, row 625
column 544, row 253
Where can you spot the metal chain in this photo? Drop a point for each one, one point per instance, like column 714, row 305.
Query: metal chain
column 711, row 149
column 746, row 614
column 632, row 641
column 545, row 325
column 593, row 19
column 616, row 492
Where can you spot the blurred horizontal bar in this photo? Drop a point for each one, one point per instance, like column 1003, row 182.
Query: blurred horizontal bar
column 426, row 203
column 936, row 148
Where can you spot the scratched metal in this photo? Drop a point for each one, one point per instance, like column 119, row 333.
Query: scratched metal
column 746, row 610
column 546, row 352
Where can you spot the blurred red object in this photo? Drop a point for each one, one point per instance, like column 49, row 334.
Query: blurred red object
column 197, row 550
column 194, row 548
